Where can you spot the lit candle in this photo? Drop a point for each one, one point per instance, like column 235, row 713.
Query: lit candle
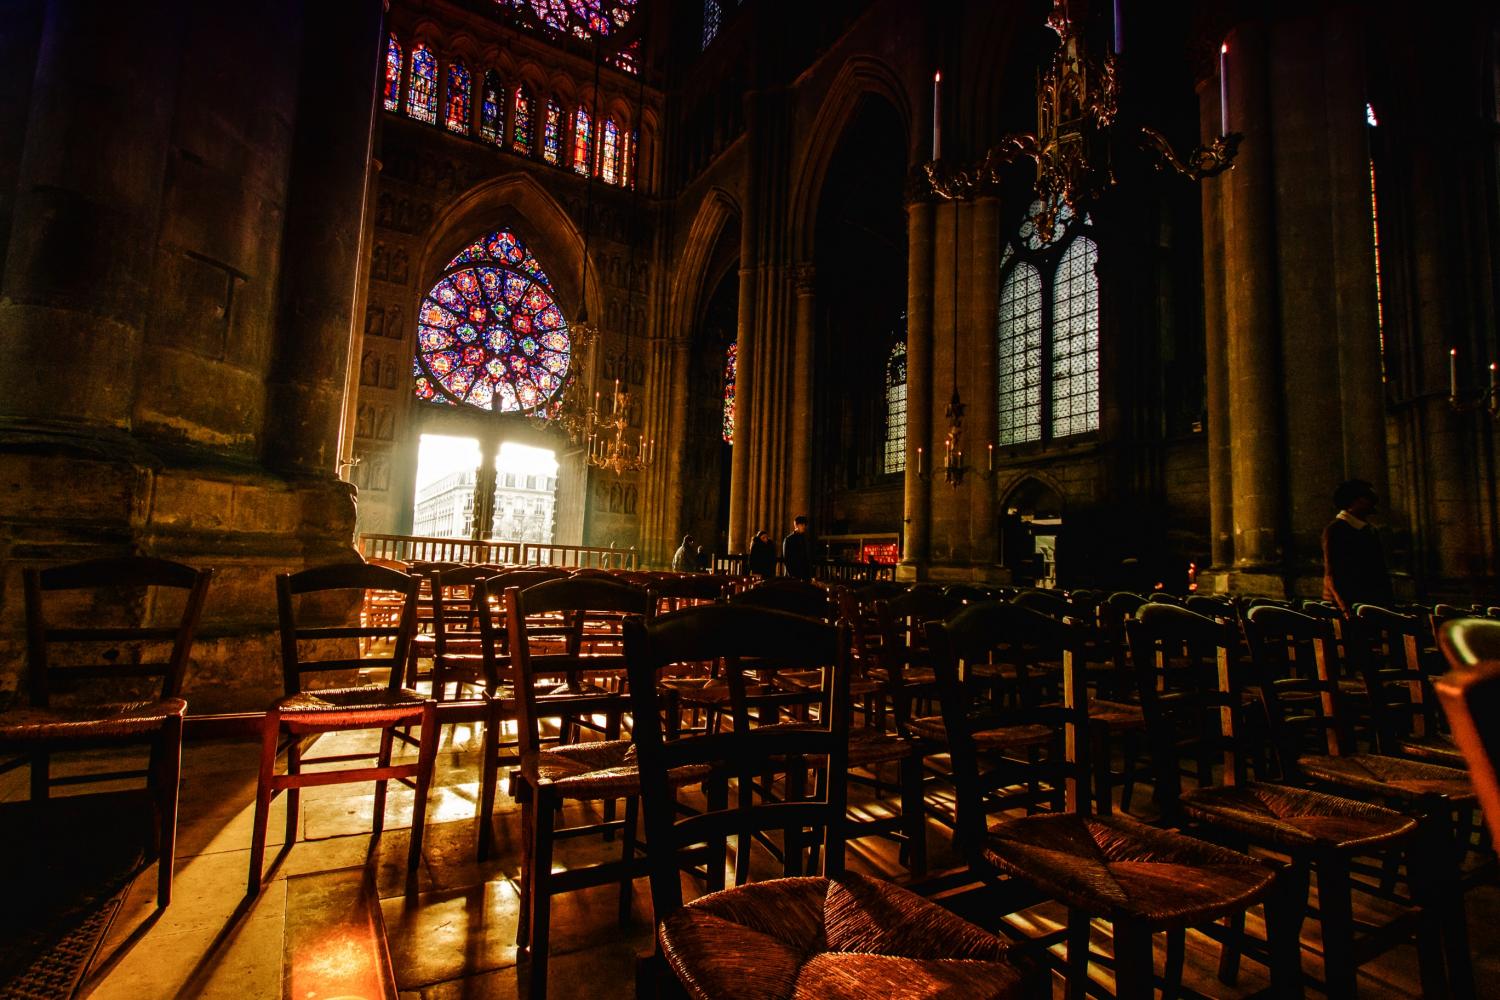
column 919, row 461
column 991, row 447
column 1453, row 373
column 1224, row 89
column 1492, row 378
column 937, row 115
column 1119, row 30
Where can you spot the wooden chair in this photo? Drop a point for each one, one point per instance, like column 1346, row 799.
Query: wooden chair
column 1320, row 833
column 1428, row 793
column 459, row 609
column 1140, row 878
column 802, row 935
column 76, row 650
column 903, row 663
column 596, row 770
column 1470, row 696
column 295, row 721
column 1398, row 688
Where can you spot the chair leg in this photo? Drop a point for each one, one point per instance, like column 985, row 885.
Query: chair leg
column 426, row 760
column 1419, row 876
column 1134, row 978
column 1335, row 906
column 1450, row 901
column 1232, row 948
column 611, row 806
column 1132, row 761
column 1286, row 908
column 168, row 775
column 541, row 895
column 293, row 794
column 914, row 813
column 716, row 791
column 489, row 778
column 1171, row 973
column 387, row 737
column 521, row 789
column 1077, row 976
column 270, row 730
column 627, row 856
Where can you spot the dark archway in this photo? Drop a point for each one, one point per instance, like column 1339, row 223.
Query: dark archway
column 860, row 291
column 1031, row 534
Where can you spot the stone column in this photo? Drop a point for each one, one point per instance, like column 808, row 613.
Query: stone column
column 325, row 212
column 739, row 455
column 801, row 500
column 1216, row 353
column 78, row 269
column 680, row 358
column 983, row 418
column 919, row 275
column 1254, row 361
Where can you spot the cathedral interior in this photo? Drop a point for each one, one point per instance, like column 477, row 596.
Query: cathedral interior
column 1013, row 301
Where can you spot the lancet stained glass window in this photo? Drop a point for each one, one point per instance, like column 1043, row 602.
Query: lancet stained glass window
column 713, row 16
column 520, row 129
column 490, row 334
column 457, row 115
column 894, row 459
column 1048, row 332
column 393, row 60
column 731, row 364
column 552, row 133
column 491, row 108
column 583, row 135
column 609, row 151
column 421, row 93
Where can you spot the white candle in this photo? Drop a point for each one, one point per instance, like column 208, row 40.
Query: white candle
column 1224, row 89
column 919, row 461
column 1492, row 378
column 992, row 458
column 937, row 115
column 1119, row 30
column 1453, row 373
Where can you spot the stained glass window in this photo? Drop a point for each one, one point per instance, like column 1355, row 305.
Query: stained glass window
column 1048, row 331
column 629, row 58
column 731, row 363
column 393, row 60
column 713, row 15
column 583, row 135
column 894, row 459
column 552, row 133
column 520, row 129
column 1019, row 369
column 457, row 115
column 579, row 18
column 491, row 108
column 421, row 93
column 609, row 151
column 489, row 333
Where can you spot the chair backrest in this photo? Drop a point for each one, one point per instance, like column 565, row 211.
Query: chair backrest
column 330, row 598
column 524, row 577
column 969, row 593
column 682, row 590
column 571, row 600
column 740, row 637
column 1386, row 647
column 463, row 618
column 1052, row 605
column 1181, row 660
column 60, row 653
column 980, row 634
column 793, row 596
column 1162, row 597
column 1297, row 667
column 1470, row 696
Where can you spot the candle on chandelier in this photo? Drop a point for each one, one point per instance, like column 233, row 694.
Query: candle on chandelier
column 991, row 448
column 937, row 115
column 1453, row 374
column 1492, row 378
column 919, row 460
column 1224, row 89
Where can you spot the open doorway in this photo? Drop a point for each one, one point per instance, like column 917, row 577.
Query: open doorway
column 447, row 470
column 455, row 486
column 525, row 494
column 1031, row 526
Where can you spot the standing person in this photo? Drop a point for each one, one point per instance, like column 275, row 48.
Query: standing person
column 1353, row 563
column 685, row 559
column 762, row 558
column 796, row 550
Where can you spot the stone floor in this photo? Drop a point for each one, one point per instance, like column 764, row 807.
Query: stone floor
column 314, row 932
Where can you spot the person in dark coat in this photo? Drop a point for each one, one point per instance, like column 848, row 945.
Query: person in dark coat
column 796, row 550
column 762, row 558
column 1353, row 562
column 685, row 559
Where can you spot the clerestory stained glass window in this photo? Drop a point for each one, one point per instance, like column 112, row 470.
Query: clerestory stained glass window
column 456, row 117
column 1048, row 331
column 731, row 364
column 552, row 133
column 393, row 61
column 583, row 136
column 490, row 334
column 492, row 108
column 894, row 458
column 421, row 93
column 520, row 129
column 609, row 151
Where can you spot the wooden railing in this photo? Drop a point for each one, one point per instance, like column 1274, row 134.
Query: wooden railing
column 418, row 548
column 834, row 570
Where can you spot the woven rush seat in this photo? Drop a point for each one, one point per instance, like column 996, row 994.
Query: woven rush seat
column 910, row 675
column 1297, row 818
column 23, row 725
column 811, row 680
column 988, row 737
column 598, row 769
column 1121, row 869
column 867, row 746
column 851, row 936
column 709, row 691
column 1437, row 749
column 347, row 706
column 1114, row 714
column 1393, row 777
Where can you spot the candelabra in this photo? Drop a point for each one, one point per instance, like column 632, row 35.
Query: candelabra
column 607, row 443
column 1487, row 399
